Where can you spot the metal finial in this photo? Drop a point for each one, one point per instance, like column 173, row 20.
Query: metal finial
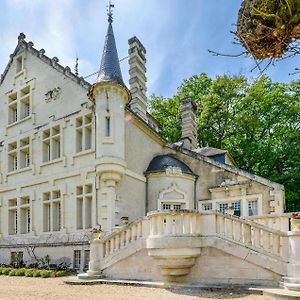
column 76, row 66
column 110, row 12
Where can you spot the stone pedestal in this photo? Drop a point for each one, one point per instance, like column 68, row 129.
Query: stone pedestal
column 292, row 281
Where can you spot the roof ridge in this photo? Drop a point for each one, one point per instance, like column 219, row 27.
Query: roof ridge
column 227, row 167
column 53, row 62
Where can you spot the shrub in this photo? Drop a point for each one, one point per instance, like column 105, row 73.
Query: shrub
column 45, row 273
column 12, row 272
column 20, row 272
column 36, row 273
column 29, row 272
column 1, row 270
column 62, row 273
column 6, row 271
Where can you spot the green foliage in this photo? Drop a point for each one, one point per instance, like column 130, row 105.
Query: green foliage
column 12, row 272
column 20, row 272
column 62, row 273
column 257, row 122
column 29, row 272
column 5, row 271
column 36, row 273
column 45, row 273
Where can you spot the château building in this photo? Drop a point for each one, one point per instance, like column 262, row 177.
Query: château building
column 76, row 157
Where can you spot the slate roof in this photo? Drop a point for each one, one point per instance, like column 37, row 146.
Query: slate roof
column 110, row 70
column 161, row 162
column 209, row 151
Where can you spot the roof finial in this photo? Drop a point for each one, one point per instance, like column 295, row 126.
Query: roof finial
column 76, row 65
column 109, row 11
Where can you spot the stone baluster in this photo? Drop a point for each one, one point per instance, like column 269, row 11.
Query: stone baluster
column 266, row 240
column 133, row 232
column 154, row 229
column 160, row 224
column 247, row 234
column 107, row 248
column 139, row 229
column 128, row 236
column 237, row 228
column 275, row 244
column 117, row 242
column 256, row 237
column 169, row 224
column 186, row 224
column 229, row 228
column 111, row 245
column 193, row 223
column 122, row 239
column 221, row 224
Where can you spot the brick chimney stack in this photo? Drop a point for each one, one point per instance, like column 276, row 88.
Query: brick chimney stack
column 137, row 77
column 189, row 123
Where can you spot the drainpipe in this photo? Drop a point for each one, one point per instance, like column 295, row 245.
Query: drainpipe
column 146, row 198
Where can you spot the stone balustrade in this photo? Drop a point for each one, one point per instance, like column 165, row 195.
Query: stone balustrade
column 275, row 221
column 122, row 237
column 175, row 239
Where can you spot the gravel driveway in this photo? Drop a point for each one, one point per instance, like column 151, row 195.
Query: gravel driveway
column 54, row 288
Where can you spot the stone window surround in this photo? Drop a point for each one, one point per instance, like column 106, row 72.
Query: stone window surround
column 17, row 151
column 244, row 200
column 15, row 101
column 173, row 188
column 63, row 189
column 18, row 197
column 52, row 143
column 84, row 127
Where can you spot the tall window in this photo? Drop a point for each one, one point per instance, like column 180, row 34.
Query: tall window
column 19, row 104
column 13, row 224
column 19, row 154
column 19, row 215
column 252, row 208
column 77, row 259
column 86, row 259
column 51, row 143
column 52, row 211
column 84, row 133
column 84, row 198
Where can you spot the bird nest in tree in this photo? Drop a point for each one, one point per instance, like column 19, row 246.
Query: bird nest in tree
column 266, row 28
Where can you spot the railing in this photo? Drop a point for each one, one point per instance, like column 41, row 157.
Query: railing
column 122, row 238
column 183, row 223
column 252, row 234
column 275, row 221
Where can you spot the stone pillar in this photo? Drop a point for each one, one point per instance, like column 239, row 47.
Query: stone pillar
column 189, row 123
column 292, row 281
column 137, row 77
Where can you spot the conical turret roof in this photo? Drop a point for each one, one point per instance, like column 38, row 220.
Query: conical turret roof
column 110, row 70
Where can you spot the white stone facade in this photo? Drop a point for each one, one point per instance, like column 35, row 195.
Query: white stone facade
column 70, row 162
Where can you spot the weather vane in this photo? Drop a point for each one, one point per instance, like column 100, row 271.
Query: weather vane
column 109, row 11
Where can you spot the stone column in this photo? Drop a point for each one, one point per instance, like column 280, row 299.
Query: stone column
column 292, row 281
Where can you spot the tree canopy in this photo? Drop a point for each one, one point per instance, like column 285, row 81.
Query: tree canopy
column 258, row 122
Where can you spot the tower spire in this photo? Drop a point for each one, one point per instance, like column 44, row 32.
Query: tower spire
column 110, row 70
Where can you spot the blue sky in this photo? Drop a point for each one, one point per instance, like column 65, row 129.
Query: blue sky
column 176, row 34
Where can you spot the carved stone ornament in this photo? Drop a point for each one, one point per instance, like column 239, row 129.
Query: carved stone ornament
column 173, row 171
column 52, row 95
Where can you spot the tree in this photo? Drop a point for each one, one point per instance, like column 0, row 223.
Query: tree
column 257, row 122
